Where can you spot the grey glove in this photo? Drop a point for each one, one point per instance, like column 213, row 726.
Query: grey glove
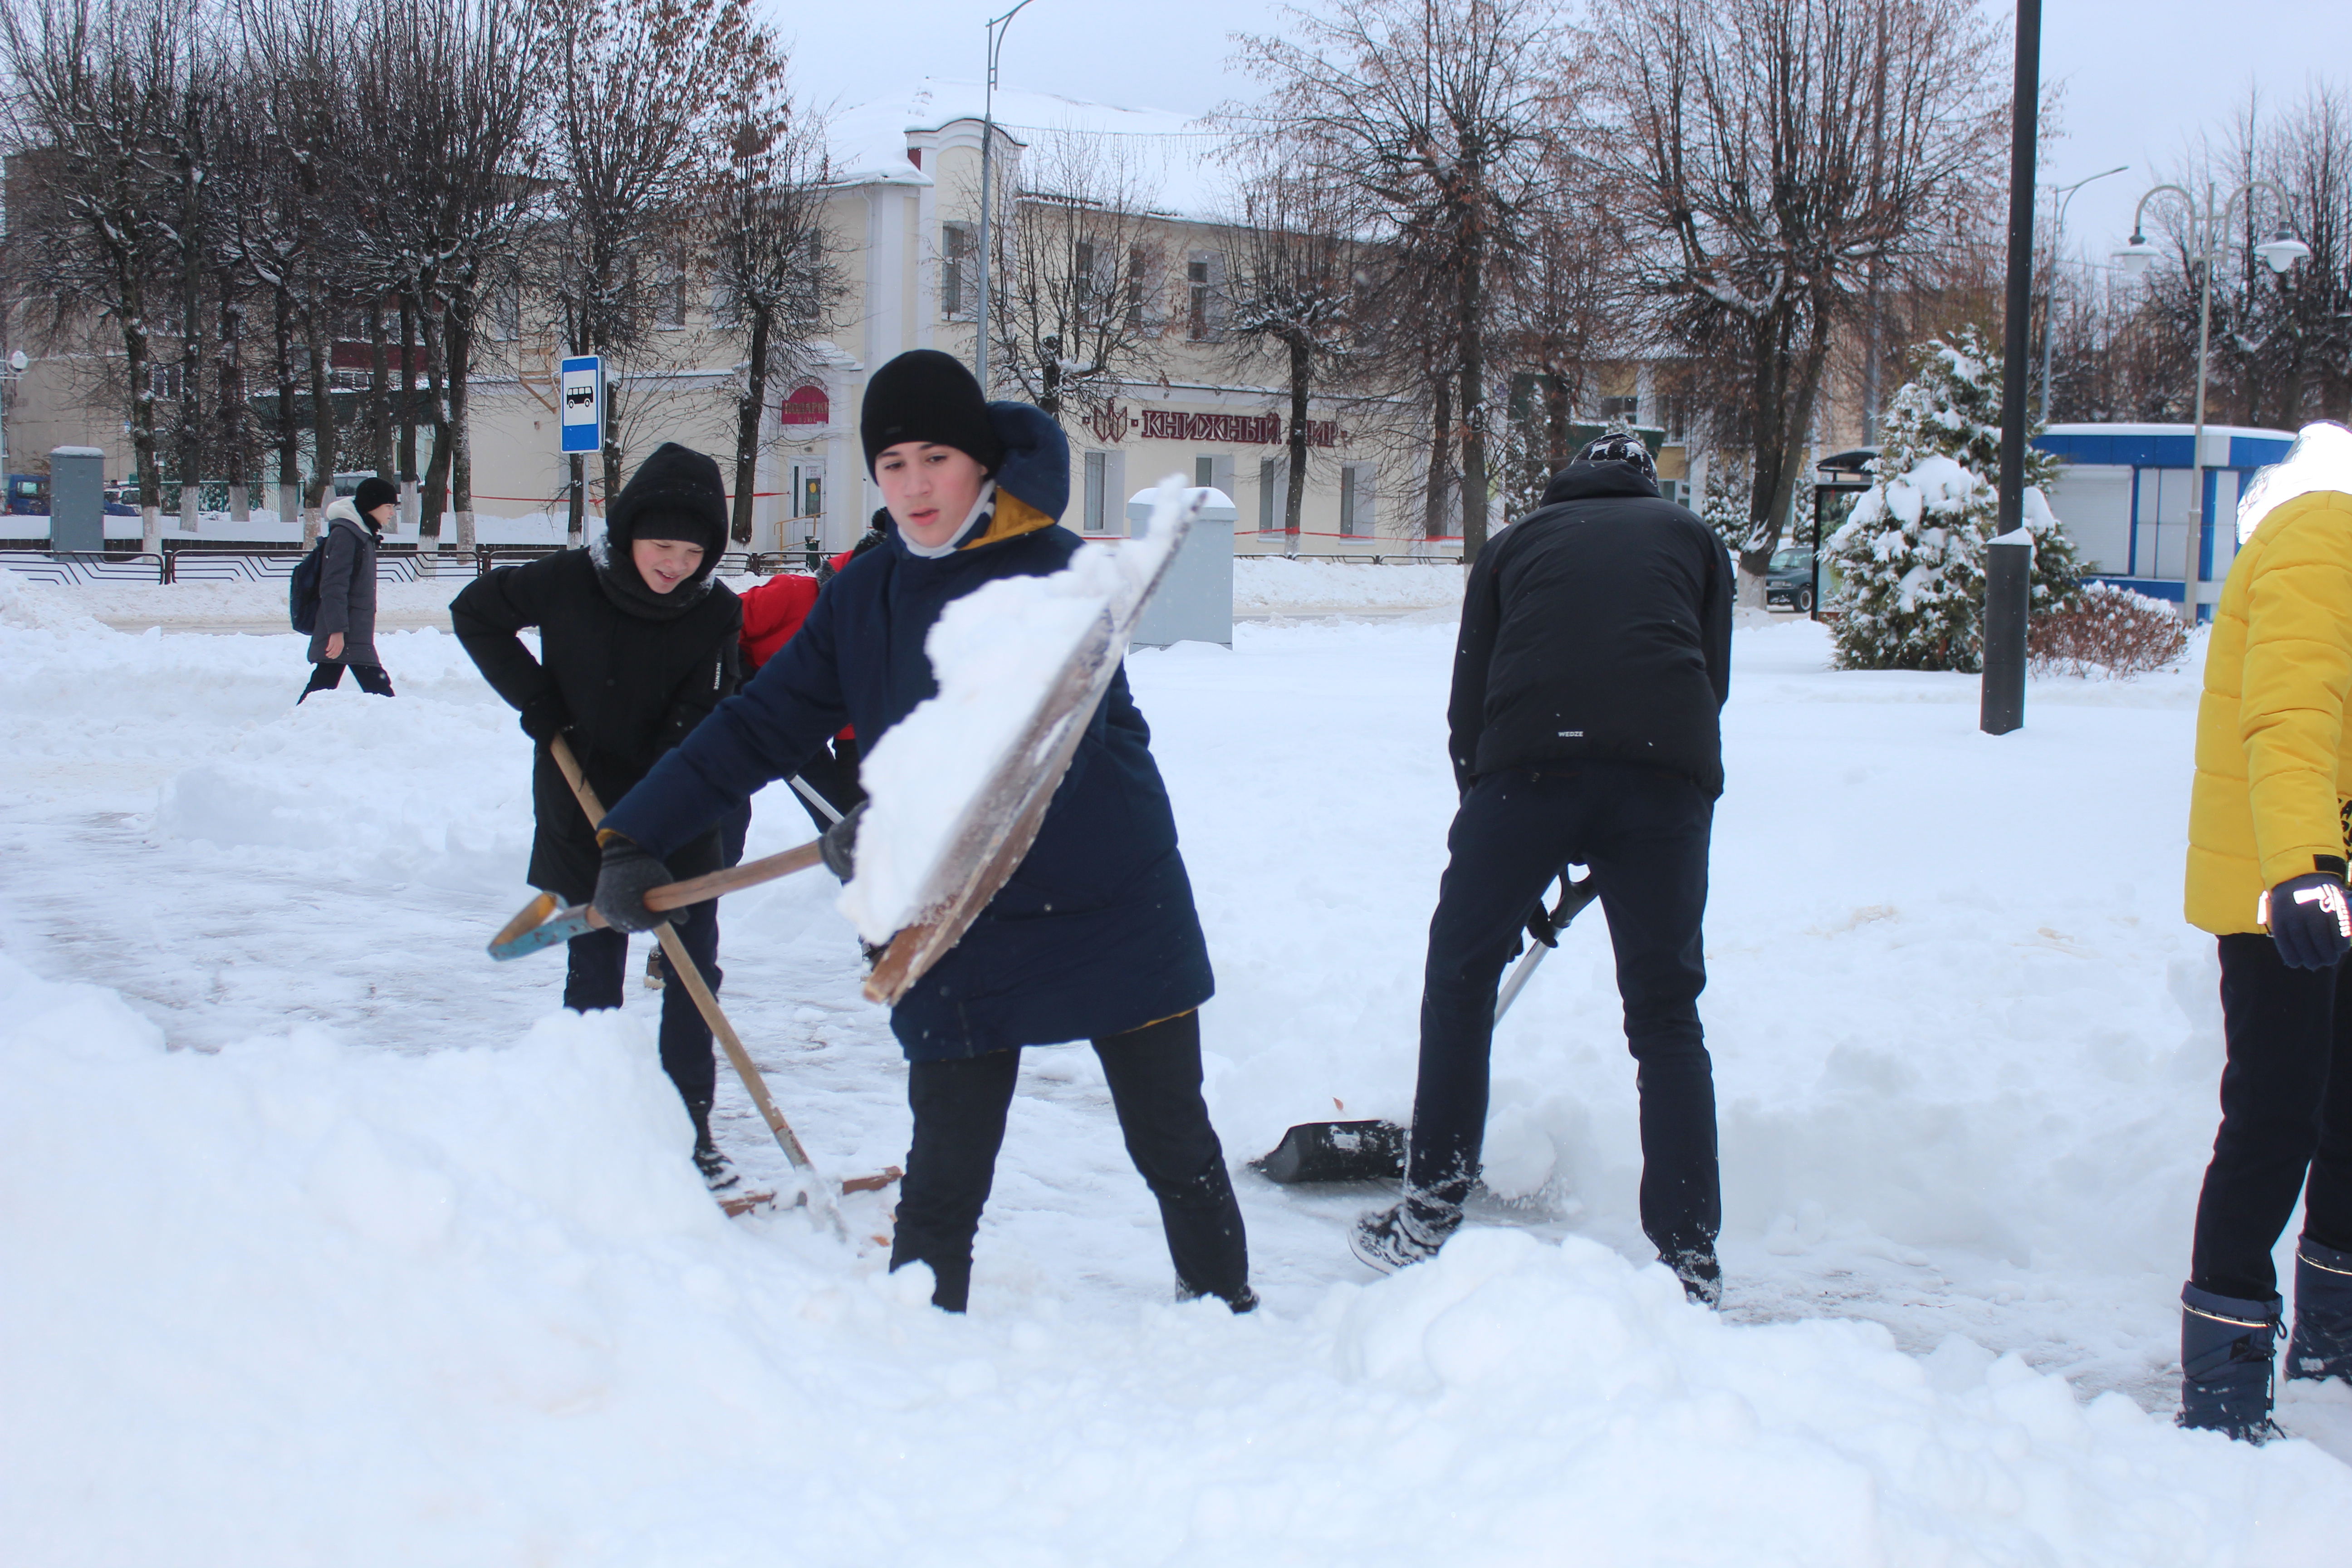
column 839, row 845
column 627, row 875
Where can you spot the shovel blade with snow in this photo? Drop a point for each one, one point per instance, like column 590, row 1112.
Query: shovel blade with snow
column 997, row 829
column 1314, row 1152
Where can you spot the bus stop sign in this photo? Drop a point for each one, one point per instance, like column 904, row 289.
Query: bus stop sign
column 583, row 403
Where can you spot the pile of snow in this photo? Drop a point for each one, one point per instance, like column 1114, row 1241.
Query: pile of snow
column 304, row 1303
column 2320, row 460
column 368, row 783
column 997, row 653
column 1263, row 583
column 28, row 605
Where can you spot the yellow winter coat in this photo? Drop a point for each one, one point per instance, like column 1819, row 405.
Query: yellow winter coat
column 2273, row 752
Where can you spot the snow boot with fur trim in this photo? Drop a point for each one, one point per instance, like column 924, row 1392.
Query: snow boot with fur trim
column 2321, row 1346
column 2228, row 1355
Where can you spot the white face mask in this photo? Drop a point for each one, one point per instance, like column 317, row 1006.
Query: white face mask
column 982, row 504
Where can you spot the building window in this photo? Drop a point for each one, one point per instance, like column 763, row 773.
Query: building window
column 1095, row 477
column 1627, row 408
column 506, row 310
column 1201, row 314
column 1204, row 472
column 1273, row 494
column 670, row 300
column 1356, row 514
column 956, row 259
column 1134, row 270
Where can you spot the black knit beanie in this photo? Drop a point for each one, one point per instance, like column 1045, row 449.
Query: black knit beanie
column 373, row 493
column 926, row 396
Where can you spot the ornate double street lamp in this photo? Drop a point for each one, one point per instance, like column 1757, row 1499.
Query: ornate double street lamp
column 2065, row 194
column 2279, row 253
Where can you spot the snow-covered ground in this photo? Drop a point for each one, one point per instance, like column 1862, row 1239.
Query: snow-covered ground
column 1272, row 584
column 327, row 1239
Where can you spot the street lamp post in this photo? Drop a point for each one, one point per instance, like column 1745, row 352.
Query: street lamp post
column 996, row 27
column 2065, row 194
column 2279, row 253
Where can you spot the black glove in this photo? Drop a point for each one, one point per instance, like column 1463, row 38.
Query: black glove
column 1539, row 924
column 544, row 716
column 2309, row 920
column 627, row 875
column 839, row 845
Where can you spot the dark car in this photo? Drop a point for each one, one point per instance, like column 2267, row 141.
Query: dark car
column 1788, row 580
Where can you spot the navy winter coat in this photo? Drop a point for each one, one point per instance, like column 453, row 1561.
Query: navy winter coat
column 1095, row 932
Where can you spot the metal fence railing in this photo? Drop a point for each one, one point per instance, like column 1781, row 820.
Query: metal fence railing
column 215, row 564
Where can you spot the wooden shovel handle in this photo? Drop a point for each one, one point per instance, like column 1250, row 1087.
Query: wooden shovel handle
column 750, row 874
column 694, row 889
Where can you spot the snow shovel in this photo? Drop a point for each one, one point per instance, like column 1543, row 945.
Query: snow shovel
column 818, row 1192
column 1009, row 806
column 1316, row 1151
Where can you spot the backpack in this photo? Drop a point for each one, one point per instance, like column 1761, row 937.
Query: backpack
column 302, row 588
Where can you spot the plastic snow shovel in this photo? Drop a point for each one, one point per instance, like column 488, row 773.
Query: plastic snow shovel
column 817, row 1192
column 1316, row 1151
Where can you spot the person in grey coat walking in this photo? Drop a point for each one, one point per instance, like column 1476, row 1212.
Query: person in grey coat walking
column 345, row 634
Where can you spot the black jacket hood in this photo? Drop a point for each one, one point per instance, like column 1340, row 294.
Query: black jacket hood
column 1587, row 481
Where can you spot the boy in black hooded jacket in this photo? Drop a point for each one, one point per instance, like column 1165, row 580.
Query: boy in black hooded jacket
column 637, row 645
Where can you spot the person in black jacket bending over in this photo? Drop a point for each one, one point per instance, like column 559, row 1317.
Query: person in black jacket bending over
column 1594, row 658
column 1093, row 937
column 636, row 646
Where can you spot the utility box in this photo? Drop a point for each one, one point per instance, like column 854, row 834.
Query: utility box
column 1195, row 602
column 78, row 498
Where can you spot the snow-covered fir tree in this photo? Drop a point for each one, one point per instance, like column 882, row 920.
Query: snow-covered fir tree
column 1724, row 504
column 1912, row 555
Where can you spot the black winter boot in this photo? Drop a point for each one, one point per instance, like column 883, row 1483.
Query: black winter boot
column 1408, row 1234
column 2227, row 1348
column 719, row 1172
column 1701, row 1274
column 2322, row 1345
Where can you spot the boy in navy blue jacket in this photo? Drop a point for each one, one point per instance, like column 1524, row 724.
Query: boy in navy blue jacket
column 1093, row 937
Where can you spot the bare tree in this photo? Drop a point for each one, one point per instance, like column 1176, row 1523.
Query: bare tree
column 1777, row 156
column 1439, row 111
column 1290, row 292
column 448, row 92
column 1080, row 278
column 94, row 99
column 773, row 286
column 635, row 85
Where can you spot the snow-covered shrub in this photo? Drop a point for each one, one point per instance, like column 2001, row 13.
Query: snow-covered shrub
column 2106, row 630
column 1911, row 556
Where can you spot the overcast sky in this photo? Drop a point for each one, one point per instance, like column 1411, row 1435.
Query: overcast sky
column 2143, row 77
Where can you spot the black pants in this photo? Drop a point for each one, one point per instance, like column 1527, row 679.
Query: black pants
column 1155, row 1086
column 2287, row 1119
column 1644, row 834
column 328, row 674
column 832, row 774
column 599, row 964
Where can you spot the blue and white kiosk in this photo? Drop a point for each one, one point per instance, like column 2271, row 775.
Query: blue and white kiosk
column 2124, row 496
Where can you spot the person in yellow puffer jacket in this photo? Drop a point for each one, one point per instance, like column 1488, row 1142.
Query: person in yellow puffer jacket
column 2267, row 849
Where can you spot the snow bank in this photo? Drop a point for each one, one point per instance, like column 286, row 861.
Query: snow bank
column 997, row 653
column 306, row 1304
column 398, row 790
column 28, row 605
column 1272, row 583
column 2320, row 460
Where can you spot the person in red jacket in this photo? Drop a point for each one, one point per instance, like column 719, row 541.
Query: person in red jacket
column 772, row 611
